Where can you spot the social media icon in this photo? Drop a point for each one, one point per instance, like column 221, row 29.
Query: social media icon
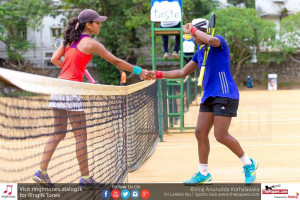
column 135, row 194
column 105, row 194
column 145, row 194
column 125, row 194
column 115, row 194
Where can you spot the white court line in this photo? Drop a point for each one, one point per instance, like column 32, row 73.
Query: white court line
column 273, row 105
column 43, row 149
column 266, row 112
column 221, row 146
column 243, row 138
column 255, row 124
column 254, row 120
column 265, row 120
column 283, row 123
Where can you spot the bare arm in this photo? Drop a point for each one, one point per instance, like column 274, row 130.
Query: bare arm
column 188, row 68
column 56, row 57
column 207, row 39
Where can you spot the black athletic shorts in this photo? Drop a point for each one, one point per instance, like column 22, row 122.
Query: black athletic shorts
column 220, row 106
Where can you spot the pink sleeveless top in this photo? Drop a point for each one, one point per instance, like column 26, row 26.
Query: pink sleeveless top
column 75, row 62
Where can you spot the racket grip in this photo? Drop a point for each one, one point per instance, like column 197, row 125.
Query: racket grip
column 87, row 74
column 201, row 76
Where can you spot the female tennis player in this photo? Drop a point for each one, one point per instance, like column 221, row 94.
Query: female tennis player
column 219, row 102
column 77, row 49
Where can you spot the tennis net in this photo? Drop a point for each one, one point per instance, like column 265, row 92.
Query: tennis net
column 121, row 126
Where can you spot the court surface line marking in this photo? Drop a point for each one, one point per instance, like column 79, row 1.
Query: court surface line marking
column 241, row 138
column 218, row 146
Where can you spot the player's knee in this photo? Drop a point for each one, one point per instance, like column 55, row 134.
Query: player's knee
column 201, row 134
column 59, row 136
column 220, row 138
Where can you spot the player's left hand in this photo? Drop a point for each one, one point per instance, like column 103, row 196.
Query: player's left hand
column 187, row 28
column 144, row 75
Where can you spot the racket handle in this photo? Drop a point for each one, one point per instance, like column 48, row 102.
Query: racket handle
column 201, row 76
column 87, row 74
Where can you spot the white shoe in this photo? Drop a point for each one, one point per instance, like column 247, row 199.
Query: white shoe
column 166, row 55
column 175, row 55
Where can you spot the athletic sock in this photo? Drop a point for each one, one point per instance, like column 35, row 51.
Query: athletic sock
column 203, row 169
column 245, row 160
column 85, row 177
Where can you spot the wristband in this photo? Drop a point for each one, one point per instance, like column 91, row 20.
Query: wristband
column 193, row 30
column 137, row 70
column 158, row 74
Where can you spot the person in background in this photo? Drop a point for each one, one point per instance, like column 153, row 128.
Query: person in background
column 123, row 78
column 188, row 47
column 165, row 39
column 249, row 82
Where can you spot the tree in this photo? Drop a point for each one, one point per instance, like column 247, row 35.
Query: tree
column 198, row 8
column 243, row 30
column 16, row 16
column 122, row 31
column 127, row 27
column 290, row 35
column 246, row 3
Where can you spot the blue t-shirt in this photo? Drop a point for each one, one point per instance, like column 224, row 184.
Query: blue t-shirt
column 217, row 80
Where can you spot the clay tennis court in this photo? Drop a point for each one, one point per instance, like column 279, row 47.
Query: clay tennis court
column 267, row 127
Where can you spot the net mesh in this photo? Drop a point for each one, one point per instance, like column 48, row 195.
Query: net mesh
column 115, row 134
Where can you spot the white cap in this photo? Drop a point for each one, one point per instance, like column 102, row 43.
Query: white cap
column 200, row 23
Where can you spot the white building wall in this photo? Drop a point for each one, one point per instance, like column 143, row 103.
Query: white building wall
column 271, row 9
column 43, row 40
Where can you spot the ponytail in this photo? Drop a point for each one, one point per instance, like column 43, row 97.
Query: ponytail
column 73, row 31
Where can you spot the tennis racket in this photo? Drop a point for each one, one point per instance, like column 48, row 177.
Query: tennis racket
column 57, row 42
column 210, row 31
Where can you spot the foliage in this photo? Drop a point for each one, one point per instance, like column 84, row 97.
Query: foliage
column 122, row 31
column 108, row 74
column 290, row 34
column 246, row 3
column 15, row 17
column 243, row 30
column 198, row 8
column 127, row 25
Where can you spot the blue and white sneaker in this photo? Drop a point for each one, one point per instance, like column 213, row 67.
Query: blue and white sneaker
column 250, row 171
column 198, row 179
column 42, row 179
column 89, row 184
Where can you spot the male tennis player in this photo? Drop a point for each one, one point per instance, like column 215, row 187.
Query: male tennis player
column 219, row 102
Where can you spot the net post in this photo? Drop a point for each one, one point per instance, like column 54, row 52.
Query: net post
column 181, row 105
column 160, row 110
